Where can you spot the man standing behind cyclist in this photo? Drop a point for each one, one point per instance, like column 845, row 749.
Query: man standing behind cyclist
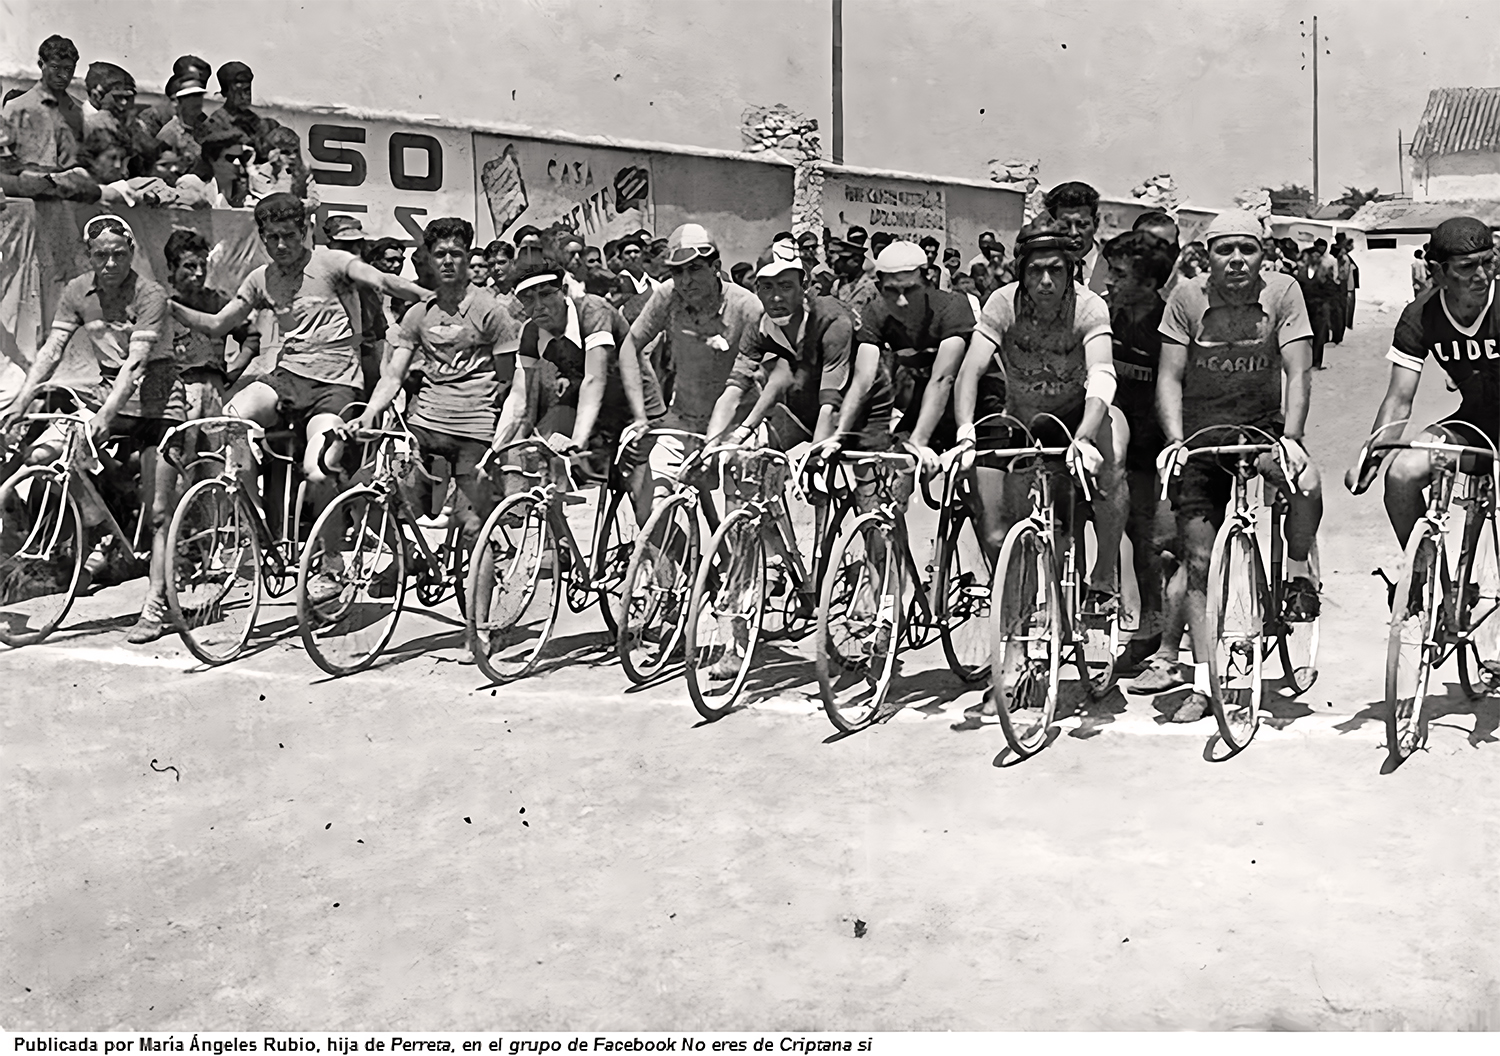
column 1457, row 322
column 1051, row 338
column 314, row 293
column 580, row 336
column 704, row 321
column 139, row 396
column 462, row 342
column 1229, row 339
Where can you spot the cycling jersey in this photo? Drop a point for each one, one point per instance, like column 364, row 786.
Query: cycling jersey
column 1044, row 364
column 466, row 363
column 592, row 323
column 111, row 321
column 1137, row 352
column 1470, row 355
column 317, row 311
column 1233, row 370
column 701, row 346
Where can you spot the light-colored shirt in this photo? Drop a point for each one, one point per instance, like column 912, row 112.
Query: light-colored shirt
column 466, row 361
column 45, row 128
column 1045, row 366
column 318, row 313
column 701, row 345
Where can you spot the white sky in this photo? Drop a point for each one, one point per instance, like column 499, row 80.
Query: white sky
column 1209, row 91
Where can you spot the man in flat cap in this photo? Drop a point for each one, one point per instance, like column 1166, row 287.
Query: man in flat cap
column 234, row 84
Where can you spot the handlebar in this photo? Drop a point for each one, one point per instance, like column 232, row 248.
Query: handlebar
column 1373, row 448
column 1268, row 444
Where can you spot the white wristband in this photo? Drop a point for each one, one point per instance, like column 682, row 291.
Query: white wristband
column 966, row 434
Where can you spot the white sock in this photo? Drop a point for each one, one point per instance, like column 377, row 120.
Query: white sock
column 1200, row 678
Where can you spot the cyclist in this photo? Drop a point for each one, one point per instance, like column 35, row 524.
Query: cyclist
column 1230, row 337
column 920, row 332
column 1052, row 339
column 139, row 396
column 314, row 293
column 1139, row 267
column 580, row 336
column 704, row 321
column 1457, row 322
column 462, row 344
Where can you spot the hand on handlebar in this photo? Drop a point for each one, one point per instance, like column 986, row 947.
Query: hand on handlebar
column 98, row 429
column 930, row 461
column 1083, row 451
column 1294, row 459
column 1362, row 474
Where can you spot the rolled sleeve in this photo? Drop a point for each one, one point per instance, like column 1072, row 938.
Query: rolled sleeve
column 653, row 318
column 996, row 317
column 838, row 352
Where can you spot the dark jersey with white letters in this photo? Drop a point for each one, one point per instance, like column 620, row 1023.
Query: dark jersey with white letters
column 1469, row 354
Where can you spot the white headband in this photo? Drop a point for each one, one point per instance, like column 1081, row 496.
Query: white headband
column 89, row 233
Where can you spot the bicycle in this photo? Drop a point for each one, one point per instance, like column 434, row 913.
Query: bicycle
column 365, row 543
column 753, row 558
column 1038, row 615
column 222, row 555
column 1438, row 611
column 526, row 553
column 658, row 584
column 42, row 530
column 1246, row 611
column 865, row 618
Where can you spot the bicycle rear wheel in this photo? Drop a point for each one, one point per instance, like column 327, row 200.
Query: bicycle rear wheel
column 657, row 587
column 1479, row 659
column 726, row 614
column 1025, row 638
column 514, row 589
column 213, row 571
column 859, row 623
column 1297, row 642
column 963, row 599
column 610, row 562
column 1097, row 634
column 1413, row 649
column 41, row 554
column 351, row 585
column 1237, row 619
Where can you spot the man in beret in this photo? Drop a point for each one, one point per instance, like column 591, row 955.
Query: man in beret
column 234, row 84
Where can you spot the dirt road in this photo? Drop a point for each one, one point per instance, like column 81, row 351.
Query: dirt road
column 260, row 847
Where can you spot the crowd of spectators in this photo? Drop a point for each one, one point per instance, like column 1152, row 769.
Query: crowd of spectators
column 177, row 153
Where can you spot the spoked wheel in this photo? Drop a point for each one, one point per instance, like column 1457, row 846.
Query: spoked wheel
column 613, row 549
column 1097, row 634
column 725, row 614
column 1025, row 639
column 514, row 589
column 41, row 555
column 657, row 587
column 1413, row 650
column 860, row 613
column 1479, row 659
column 213, row 571
column 1237, row 620
column 964, row 600
column 1297, row 643
column 352, row 582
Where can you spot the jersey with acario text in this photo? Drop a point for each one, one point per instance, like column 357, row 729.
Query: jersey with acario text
column 1470, row 355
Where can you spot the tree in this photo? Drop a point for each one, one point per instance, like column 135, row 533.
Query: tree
column 1352, row 199
column 1292, row 199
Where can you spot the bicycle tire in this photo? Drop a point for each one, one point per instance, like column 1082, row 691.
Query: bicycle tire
column 1097, row 637
column 1026, row 642
column 41, row 555
column 730, row 585
column 1412, row 646
column 513, row 601
column 610, row 561
column 1297, row 641
column 1236, row 618
column 654, row 596
column 963, row 599
column 347, row 632
column 1479, row 608
column 859, row 624
column 213, row 571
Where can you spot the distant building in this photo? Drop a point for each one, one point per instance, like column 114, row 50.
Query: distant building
column 1455, row 153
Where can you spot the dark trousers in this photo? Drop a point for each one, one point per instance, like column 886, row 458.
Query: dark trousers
column 1349, row 308
column 1320, row 315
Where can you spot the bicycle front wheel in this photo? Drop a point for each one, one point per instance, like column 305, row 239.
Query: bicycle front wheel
column 610, row 562
column 657, row 587
column 514, row 589
column 41, row 555
column 1297, row 642
column 963, row 598
column 725, row 614
column 1413, row 649
column 1237, row 619
column 859, row 624
column 1025, row 638
column 1479, row 660
column 1097, row 634
column 351, row 584
column 213, row 571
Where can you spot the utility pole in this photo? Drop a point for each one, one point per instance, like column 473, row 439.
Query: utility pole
column 1317, row 198
column 838, row 82
column 1400, row 163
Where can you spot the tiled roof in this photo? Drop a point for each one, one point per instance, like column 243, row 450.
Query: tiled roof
column 1407, row 215
column 1458, row 119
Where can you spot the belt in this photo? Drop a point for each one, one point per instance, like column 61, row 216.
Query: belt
column 1134, row 372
